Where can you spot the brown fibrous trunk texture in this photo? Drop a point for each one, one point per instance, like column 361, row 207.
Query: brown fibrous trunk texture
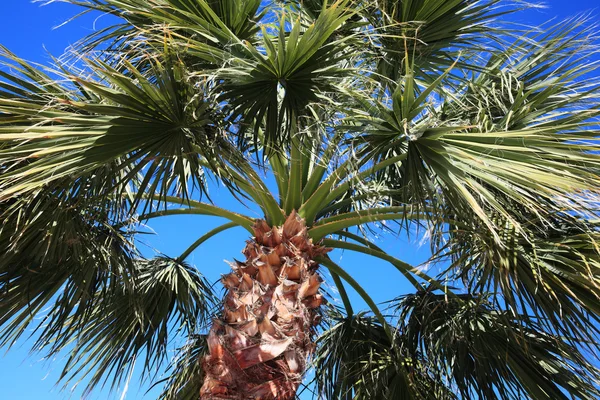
column 259, row 347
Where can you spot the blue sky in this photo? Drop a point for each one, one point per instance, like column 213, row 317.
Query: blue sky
column 26, row 30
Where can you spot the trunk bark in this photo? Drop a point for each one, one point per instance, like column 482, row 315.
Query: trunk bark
column 258, row 349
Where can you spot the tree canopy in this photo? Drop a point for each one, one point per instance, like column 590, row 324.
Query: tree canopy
column 358, row 117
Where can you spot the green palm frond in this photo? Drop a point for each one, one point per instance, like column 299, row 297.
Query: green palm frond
column 527, row 140
column 276, row 85
column 540, row 79
column 490, row 354
column 434, row 33
column 240, row 16
column 155, row 130
column 22, row 81
column 132, row 324
column 218, row 23
column 355, row 359
column 473, row 173
column 56, row 254
column 553, row 272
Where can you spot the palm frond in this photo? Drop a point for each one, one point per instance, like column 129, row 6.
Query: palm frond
column 56, row 254
column 355, row 359
column 489, row 354
column 219, row 23
column 132, row 324
column 538, row 149
column 433, row 33
column 542, row 78
column 292, row 68
column 552, row 272
column 152, row 130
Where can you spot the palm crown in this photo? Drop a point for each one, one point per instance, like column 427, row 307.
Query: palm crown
column 415, row 113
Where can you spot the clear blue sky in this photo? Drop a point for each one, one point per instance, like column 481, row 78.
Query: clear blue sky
column 26, row 29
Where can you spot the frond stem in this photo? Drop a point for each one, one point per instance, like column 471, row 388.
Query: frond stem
column 205, row 237
column 333, row 267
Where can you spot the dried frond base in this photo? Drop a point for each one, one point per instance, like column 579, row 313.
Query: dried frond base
column 259, row 348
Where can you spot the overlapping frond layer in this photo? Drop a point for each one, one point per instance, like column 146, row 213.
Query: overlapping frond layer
column 486, row 353
column 364, row 113
column 217, row 23
column 552, row 272
column 55, row 256
column 70, row 275
column 272, row 86
column 356, row 359
column 489, row 353
column 520, row 137
column 259, row 348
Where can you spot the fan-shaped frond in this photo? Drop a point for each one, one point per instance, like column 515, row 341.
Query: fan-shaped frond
column 432, row 33
column 292, row 68
column 552, row 272
column 218, row 23
column 355, row 359
column 132, row 323
column 55, row 254
column 490, row 354
column 155, row 130
column 535, row 154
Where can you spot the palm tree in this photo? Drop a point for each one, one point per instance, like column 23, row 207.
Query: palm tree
column 338, row 120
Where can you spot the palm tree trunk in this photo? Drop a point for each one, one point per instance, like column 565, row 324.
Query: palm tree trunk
column 260, row 346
